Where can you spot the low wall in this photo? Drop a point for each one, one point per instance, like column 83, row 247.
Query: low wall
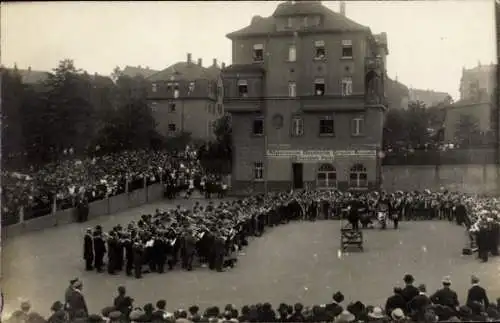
column 480, row 179
column 107, row 206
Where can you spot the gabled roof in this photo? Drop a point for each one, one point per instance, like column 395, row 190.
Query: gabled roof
column 182, row 71
column 213, row 71
column 332, row 21
column 132, row 71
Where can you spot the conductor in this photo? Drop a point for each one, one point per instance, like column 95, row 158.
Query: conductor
column 353, row 216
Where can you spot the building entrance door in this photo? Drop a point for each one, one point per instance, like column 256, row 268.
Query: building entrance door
column 297, row 175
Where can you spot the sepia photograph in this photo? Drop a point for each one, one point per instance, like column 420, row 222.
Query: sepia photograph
column 250, row 161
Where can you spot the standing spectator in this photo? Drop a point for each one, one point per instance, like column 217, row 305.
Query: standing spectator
column 477, row 294
column 76, row 301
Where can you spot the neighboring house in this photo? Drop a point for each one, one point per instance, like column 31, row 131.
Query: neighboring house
column 132, row 71
column 187, row 97
column 478, row 83
column 306, row 97
column 429, row 97
column 481, row 112
column 398, row 95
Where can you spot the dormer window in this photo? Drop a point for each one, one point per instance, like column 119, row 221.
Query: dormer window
column 258, row 53
column 289, row 22
column 154, row 87
column 191, row 87
column 242, row 89
column 320, row 51
column 176, row 90
column 304, row 20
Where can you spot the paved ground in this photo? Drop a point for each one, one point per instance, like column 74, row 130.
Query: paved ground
column 294, row 262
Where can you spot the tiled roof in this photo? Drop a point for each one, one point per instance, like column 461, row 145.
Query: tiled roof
column 133, row 71
column 182, row 71
column 32, row 77
column 332, row 21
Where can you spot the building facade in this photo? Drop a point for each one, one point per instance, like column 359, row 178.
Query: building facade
column 306, row 97
column 429, row 97
column 478, row 83
column 187, row 97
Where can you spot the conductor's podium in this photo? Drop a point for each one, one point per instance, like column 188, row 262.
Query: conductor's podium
column 351, row 238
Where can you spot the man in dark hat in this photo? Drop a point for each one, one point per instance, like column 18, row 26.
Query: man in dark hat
column 188, row 250
column 409, row 291
column 99, row 248
column 138, row 256
column 129, row 254
column 112, row 252
column 88, row 250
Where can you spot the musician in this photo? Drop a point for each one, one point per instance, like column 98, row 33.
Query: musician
column 129, row 254
column 88, row 250
column 395, row 210
column 218, row 252
column 188, row 250
column 482, row 240
column 161, row 249
column 138, row 253
column 112, row 252
column 353, row 216
column 99, row 248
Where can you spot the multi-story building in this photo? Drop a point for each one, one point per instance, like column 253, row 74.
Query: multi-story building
column 306, row 97
column 397, row 94
column 429, row 97
column 187, row 97
column 477, row 84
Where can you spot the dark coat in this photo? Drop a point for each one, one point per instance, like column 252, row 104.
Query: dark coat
column 393, row 302
column 88, row 247
column 477, row 294
column 446, row 297
column 419, row 303
column 76, row 303
column 409, row 292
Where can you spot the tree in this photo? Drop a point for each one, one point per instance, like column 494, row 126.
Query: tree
column 216, row 157
column 69, row 114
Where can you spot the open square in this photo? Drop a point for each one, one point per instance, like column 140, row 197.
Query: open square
column 296, row 262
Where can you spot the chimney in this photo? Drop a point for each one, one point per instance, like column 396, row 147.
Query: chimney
column 223, row 65
column 214, row 64
column 200, row 62
column 29, row 68
column 342, row 8
column 189, row 57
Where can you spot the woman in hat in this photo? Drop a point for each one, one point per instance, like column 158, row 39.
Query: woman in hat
column 377, row 315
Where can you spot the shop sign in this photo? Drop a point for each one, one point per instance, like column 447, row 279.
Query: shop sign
column 319, row 155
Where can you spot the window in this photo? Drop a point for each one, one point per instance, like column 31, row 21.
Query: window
column 358, row 126
column 292, row 89
column 292, row 53
column 319, row 87
column 289, row 22
column 210, row 127
column 258, row 53
column 153, row 106
column 258, row 127
column 320, row 51
column 315, row 21
column 305, row 21
column 176, row 90
column 154, row 87
column 242, row 88
column 358, row 176
column 297, row 127
column 171, row 107
column 346, row 86
column 169, row 86
column 172, row 127
column 258, row 170
column 327, row 176
column 346, row 49
column 191, row 87
column 326, row 126
column 219, row 108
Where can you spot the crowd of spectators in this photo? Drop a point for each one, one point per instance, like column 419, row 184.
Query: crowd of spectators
column 92, row 178
column 408, row 303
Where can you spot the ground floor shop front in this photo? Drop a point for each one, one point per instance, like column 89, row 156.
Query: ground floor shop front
column 279, row 170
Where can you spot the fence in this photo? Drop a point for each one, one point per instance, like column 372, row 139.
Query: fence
column 449, row 157
column 47, row 217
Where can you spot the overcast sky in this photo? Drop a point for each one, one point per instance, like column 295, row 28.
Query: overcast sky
column 429, row 41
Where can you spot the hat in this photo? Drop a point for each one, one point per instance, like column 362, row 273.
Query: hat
column 136, row 314
column 77, row 284
column 446, row 280
column 115, row 315
column 74, row 280
column 408, row 279
column 397, row 314
column 377, row 313
column 25, row 306
column 474, row 279
column 345, row 317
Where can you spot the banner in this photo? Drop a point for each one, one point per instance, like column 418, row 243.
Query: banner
column 319, row 155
